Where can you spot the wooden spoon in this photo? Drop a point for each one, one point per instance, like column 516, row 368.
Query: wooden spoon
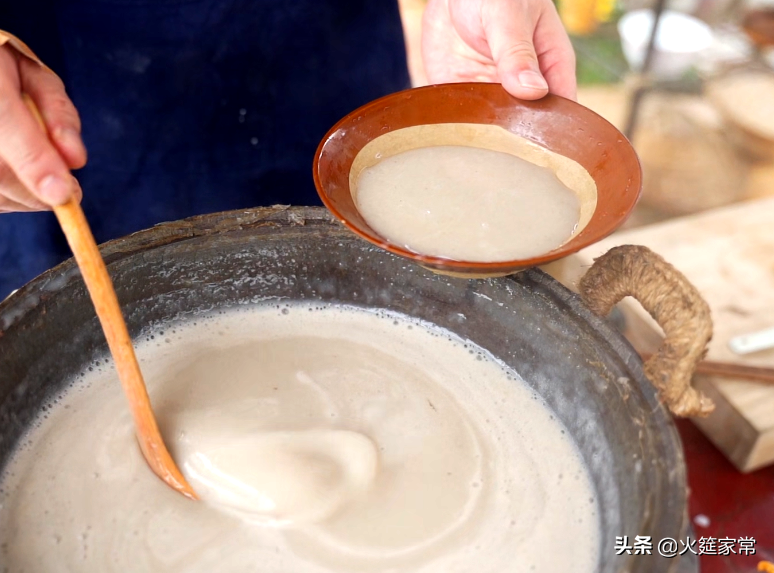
column 100, row 287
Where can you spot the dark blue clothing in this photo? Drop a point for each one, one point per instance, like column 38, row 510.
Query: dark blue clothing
column 195, row 106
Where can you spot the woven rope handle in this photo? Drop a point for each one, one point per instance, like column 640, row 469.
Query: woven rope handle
column 663, row 291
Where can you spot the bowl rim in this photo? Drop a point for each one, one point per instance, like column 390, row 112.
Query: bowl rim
column 489, row 268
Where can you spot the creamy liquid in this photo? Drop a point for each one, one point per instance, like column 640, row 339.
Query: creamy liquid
column 467, row 204
column 320, row 439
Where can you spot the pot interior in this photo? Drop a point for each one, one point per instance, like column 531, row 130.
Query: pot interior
column 586, row 373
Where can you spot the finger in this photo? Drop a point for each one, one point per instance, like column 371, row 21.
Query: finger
column 14, row 197
column 59, row 113
column 77, row 190
column 26, row 149
column 556, row 54
column 509, row 29
column 13, row 190
column 10, row 204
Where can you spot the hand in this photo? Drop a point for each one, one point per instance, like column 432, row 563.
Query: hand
column 35, row 170
column 519, row 43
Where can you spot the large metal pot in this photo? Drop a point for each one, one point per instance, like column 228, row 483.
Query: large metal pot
column 583, row 368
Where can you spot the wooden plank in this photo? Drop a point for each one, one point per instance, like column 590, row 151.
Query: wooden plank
column 728, row 254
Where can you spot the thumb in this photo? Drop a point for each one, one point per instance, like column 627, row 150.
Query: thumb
column 509, row 33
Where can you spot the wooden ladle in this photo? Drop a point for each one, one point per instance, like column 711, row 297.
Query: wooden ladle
column 100, row 287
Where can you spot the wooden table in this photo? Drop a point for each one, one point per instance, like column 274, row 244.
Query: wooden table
column 728, row 254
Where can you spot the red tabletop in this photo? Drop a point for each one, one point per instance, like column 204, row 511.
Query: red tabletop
column 728, row 504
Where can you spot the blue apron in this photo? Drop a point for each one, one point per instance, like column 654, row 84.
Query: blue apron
column 196, row 106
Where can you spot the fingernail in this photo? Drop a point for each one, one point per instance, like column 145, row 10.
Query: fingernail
column 54, row 190
column 533, row 80
column 77, row 190
column 69, row 137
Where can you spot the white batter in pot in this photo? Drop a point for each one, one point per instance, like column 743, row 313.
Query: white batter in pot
column 321, row 439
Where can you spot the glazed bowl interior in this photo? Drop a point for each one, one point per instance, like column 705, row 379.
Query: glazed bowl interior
column 485, row 116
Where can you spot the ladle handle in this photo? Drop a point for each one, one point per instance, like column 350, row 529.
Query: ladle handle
column 81, row 240
column 663, row 291
column 103, row 296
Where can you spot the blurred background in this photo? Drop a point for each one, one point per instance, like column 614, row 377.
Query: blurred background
column 699, row 110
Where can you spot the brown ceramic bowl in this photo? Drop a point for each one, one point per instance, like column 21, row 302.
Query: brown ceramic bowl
column 553, row 122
